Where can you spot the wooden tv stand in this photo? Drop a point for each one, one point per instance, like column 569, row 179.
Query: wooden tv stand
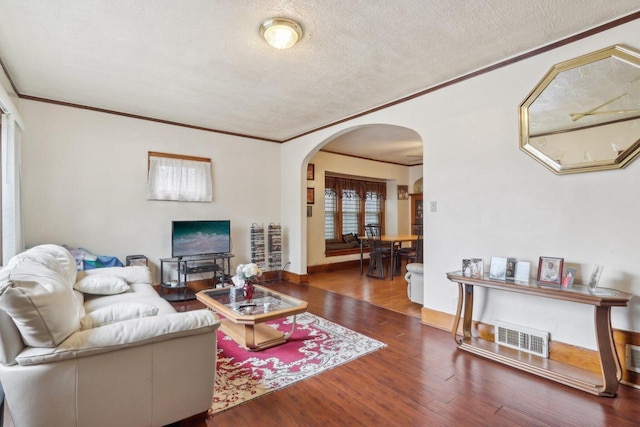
column 602, row 300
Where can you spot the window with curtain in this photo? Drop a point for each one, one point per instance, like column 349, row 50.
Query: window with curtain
column 330, row 215
column 179, row 178
column 351, row 203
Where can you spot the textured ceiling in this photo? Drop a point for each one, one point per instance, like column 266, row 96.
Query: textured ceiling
column 203, row 63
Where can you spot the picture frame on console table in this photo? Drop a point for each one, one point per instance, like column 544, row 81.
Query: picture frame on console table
column 498, row 268
column 473, row 267
column 567, row 280
column 522, row 272
column 550, row 271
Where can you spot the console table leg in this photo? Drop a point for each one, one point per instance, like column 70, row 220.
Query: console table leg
column 468, row 311
column 609, row 362
column 456, row 322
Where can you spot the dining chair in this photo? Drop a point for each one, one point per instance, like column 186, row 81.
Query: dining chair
column 379, row 255
column 412, row 254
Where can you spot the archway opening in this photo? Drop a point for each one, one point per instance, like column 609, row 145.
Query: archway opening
column 377, row 153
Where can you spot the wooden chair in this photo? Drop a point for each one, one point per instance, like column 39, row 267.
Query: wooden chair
column 378, row 254
column 412, row 254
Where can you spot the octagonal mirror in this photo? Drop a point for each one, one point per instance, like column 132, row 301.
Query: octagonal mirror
column 584, row 115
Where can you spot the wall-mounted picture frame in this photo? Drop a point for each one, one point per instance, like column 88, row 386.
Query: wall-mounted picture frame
column 311, row 195
column 550, row 270
column 403, row 192
column 309, row 211
column 311, row 172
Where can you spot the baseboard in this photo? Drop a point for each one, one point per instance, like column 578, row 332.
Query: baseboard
column 562, row 352
column 323, row 268
column 301, row 279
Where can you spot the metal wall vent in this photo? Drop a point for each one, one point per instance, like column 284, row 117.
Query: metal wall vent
column 525, row 339
column 633, row 358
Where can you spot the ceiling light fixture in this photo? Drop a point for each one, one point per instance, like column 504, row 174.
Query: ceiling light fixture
column 281, row 33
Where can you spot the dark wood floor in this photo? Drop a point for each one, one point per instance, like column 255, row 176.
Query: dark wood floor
column 420, row 379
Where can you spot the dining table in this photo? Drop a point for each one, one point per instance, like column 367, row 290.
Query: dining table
column 389, row 238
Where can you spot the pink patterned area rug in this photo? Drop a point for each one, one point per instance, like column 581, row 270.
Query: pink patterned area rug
column 316, row 346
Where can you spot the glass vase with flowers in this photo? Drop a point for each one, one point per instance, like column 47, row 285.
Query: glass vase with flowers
column 246, row 275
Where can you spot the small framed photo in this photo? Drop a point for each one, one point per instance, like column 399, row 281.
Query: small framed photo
column 498, row 268
column 511, row 269
column 595, row 277
column 403, row 192
column 550, row 271
column 522, row 272
column 311, row 195
column 311, row 172
column 476, row 268
column 309, row 211
column 567, row 279
column 466, row 267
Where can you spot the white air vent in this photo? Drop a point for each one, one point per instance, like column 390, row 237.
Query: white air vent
column 633, row 358
column 525, row 339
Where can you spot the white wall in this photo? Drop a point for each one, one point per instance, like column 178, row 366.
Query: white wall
column 84, row 182
column 494, row 200
column 397, row 217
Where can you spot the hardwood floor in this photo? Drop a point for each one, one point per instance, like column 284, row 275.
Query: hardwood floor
column 420, row 378
column 390, row 294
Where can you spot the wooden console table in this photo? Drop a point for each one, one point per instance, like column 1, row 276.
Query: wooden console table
column 602, row 300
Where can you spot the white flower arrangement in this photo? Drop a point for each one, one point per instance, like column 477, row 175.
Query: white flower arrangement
column 246, row 273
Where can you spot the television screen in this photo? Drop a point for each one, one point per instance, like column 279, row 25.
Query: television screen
column 200, row 237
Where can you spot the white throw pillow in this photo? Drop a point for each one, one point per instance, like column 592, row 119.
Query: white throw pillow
column 45, row 313
column 117, row 313
column 131, row 274
column 101, row 285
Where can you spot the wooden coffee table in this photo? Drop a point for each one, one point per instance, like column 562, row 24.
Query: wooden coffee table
column 243, row 320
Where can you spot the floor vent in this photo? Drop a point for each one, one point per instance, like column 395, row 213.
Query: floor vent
column 530, row 340
column 633, row 358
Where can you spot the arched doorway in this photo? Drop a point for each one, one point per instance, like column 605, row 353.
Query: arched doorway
column 385, row 152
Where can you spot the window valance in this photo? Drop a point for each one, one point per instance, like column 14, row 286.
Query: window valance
column 355, row 187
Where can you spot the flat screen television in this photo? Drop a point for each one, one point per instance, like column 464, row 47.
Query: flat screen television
column 189, row 238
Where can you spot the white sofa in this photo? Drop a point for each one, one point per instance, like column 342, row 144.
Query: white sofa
column 117, row 356
column 415, row 282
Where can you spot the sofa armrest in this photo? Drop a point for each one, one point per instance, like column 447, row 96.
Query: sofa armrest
column 129, row 333
column 415, row 267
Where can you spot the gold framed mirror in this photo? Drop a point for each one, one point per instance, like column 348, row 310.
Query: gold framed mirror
column 584, row 115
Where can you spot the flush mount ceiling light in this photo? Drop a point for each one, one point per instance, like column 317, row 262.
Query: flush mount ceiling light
column 280, row 33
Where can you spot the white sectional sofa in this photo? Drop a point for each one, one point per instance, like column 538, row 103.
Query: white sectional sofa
column 113, row 354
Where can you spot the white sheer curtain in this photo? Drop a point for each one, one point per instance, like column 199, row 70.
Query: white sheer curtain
column 12, row 237
column 179, row 179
